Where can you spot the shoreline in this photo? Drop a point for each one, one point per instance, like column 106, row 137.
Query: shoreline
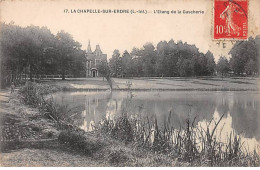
column 158, row 84
column 99, row 89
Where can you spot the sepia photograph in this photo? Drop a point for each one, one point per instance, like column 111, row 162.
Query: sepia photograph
column 129, row 83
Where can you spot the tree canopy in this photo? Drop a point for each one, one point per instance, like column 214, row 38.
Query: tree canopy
column 167, row 59
column 223, row 66
column 245, row 56
column 35, row 51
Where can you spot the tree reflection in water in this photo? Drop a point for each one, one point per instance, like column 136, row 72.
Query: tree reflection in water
column 241, row 117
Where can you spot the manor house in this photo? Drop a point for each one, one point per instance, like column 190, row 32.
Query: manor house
column 93, row 59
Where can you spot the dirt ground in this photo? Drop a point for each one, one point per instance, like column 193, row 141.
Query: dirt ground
column 20, row 130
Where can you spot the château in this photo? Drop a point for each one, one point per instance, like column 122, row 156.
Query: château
column 93, row 59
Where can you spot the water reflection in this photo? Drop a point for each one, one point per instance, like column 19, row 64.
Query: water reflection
column 225, row 129
column 240, row 109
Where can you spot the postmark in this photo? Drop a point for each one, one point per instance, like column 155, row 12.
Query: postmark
column 231, row 19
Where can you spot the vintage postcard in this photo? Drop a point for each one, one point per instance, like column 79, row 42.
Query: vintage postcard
column 129, row 83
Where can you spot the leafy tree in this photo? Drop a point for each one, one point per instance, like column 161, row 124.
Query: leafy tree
column 185, row 67
column 35, row 51
column 148, row 59
column 223, row 66
column 127, row 64
column 211, row 65
column 251, row 67
column 103, row 68
column 78, row 67
column 115, row 64
column 23, row 49
column 11, row 62
column 37, row 42
column 66, row 47
column 167, row 59
column 244, row 52
column 162, row 59
column 136, row 64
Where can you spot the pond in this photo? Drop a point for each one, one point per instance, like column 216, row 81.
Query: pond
column 240, row 109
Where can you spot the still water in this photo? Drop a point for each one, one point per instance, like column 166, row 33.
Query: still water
column 240, row 109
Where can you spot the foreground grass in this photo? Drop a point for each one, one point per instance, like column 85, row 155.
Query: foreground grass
column 125, row 141
column 189, row 144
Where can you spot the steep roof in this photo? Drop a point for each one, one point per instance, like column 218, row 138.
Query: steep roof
column 98, row 50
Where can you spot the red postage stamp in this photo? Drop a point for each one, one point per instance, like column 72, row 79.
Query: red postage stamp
column 230, row 19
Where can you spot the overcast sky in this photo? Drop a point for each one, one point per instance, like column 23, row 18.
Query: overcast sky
column 124, row 31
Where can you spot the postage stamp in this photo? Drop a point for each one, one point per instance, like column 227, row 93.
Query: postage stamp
column 230, row 19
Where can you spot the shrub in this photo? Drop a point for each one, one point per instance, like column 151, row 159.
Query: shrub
column 117, row 158
column 77, row 141
column 123, row 130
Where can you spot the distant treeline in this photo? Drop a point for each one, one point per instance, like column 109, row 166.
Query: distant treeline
column 167, row 59
column 170, row 59
column 35, row 51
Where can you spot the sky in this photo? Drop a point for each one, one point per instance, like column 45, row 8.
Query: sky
column 124, row 31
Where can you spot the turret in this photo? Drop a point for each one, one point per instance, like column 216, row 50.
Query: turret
column 89, row 48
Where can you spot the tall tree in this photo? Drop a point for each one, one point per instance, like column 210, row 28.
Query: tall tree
column 211, row 65
column 78, row 67
column 137, row 65
column 115, row 64
column 127, row 64
column 149, row 59
column 223, row 66
column 251, row 67
column 35, row 51
column 66, row 47
column 244, row 52
column 103, row 69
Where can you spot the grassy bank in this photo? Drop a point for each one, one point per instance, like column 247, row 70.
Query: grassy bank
column 31, row 135
column 171, row 84
column 124, row 141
